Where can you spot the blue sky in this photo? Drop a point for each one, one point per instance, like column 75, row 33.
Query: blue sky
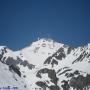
column 22, row 21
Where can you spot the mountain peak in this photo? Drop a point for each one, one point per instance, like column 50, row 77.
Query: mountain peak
column 40, row 50
column 44, row 40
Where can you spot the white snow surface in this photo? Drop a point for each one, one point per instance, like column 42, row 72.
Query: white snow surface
column 8, row 78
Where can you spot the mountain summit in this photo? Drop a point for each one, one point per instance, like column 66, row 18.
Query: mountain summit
column 46, row 65
column 39, row 51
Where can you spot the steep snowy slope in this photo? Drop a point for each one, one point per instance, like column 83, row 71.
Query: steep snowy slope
column 9, row 79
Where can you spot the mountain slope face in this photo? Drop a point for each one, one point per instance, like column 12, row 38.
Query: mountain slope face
column 48, row 65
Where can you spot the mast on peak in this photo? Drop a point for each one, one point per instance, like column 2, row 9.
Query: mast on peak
column 38, row 38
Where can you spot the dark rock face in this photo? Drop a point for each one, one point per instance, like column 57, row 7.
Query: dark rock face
column 25, row 63
column 51, row 74
column 48, row 60
column 42, row 84
column 81, row 57
column 15, row 69
column 11, row 61
column 54, row 62
column 65, row 71
column 69, row 50
column 88, row 55
column 77, row 72
column 65, row 85
column 77, row 83
column 53, row 87
column 59, row 55
column 53, row 78
column 80, row 82
column 3, row 51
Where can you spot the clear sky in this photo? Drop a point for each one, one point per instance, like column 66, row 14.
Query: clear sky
column 22, row 21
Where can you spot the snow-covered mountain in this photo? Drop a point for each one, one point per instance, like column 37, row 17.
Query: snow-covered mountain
column 46, row 65
column 39, row 51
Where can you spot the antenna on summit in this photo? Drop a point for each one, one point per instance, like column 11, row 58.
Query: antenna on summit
column 38, row 38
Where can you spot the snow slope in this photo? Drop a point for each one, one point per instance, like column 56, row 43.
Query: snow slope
column 10, row 79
